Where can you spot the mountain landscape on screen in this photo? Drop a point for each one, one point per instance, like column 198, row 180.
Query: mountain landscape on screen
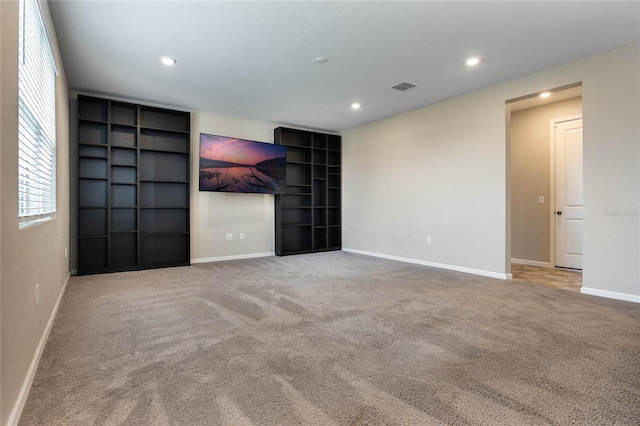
column 241, row 165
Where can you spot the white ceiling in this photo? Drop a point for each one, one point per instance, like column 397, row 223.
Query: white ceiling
column 256, row 60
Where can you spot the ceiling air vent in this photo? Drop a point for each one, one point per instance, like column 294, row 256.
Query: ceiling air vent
column 403, row 86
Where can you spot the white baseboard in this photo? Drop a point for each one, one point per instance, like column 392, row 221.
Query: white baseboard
column 16, row 412
column 610, row 294
column 530, row 262
column 236, row 257
column 433, row 264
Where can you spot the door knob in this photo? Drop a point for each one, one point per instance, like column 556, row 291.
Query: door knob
column 558, row 213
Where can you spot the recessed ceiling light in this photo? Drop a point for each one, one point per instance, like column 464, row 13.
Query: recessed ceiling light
column 473, row 61
column 321, row 59
column 545, row 94
column 167, row 60
column 355, row 105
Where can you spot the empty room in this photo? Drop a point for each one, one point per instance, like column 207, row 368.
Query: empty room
column 319, row 213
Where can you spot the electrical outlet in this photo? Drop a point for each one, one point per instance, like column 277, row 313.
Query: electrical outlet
column 229, row 237
column 37, row 294
column 429, row 239
column 541, row 199
column 242, row 235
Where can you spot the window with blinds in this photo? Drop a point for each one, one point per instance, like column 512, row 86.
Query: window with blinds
column 36, row 118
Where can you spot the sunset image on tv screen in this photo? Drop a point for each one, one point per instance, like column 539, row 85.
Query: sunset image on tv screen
column 240, row 165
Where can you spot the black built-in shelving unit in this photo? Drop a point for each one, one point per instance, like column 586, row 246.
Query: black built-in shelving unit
column 308, row 216
column 133, row 186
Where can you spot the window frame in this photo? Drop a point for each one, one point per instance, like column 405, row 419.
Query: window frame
column 37, row 126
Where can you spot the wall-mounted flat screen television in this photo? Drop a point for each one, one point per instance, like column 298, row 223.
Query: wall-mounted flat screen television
column 240, row 165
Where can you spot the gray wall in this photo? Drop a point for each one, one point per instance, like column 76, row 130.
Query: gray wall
column 530, row 178
column 442, row 171
column 34, row 255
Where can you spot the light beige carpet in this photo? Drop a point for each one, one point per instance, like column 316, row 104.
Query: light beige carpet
column 334, row 338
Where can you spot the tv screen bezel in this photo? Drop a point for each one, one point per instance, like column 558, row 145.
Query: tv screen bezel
column 281, row 183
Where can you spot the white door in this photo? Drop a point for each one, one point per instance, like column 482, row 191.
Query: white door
column 568, row 207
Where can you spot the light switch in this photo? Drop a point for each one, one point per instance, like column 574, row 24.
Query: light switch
column 229, row 237
column 541, row 199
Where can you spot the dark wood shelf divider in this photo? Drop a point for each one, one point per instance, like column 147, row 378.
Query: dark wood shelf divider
column 133, row 186
column 308, row 215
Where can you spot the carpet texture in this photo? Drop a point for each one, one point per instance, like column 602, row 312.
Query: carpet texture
column 334, row 338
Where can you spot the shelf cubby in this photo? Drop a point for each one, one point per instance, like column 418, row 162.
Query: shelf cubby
column 124, row 219
column 164, row 166
column 90, row 151
column 333, row 158
column 334, row 218
column 333, row 181
column 124, row 250
column 334, row 238
column 298, row 189
column 319, row 193
column 164, row 250
column 164, row 221
column 123, row 174
column 319, row 172
column 297, row 200
column 164, row 119
column 124, row 113
column 298, row 155
column 334, row 143
column 93, row 168
column 298, row 174
column 319, row 156
column 292, row 137
column 93, row 109
column 333, row 197
column 93, row 133
column 296, row 216
column 93, row 254
column 164, row 194
column 124, row 157
column 296, row 239
column 123, row 195
column 92, row 222
column 319, row 216
column 92, row 193
column 320, row 239
column 123, row 136
column 159, row 140
column 319, row 141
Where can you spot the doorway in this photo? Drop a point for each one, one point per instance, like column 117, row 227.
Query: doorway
column 534, row 123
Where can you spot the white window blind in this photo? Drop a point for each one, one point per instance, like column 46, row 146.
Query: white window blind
column 36, row 118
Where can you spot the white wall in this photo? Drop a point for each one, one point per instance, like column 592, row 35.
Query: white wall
column 441, row 171
column 530, row 178
column 213, row 215
column 434, row 171
column 32, row 255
